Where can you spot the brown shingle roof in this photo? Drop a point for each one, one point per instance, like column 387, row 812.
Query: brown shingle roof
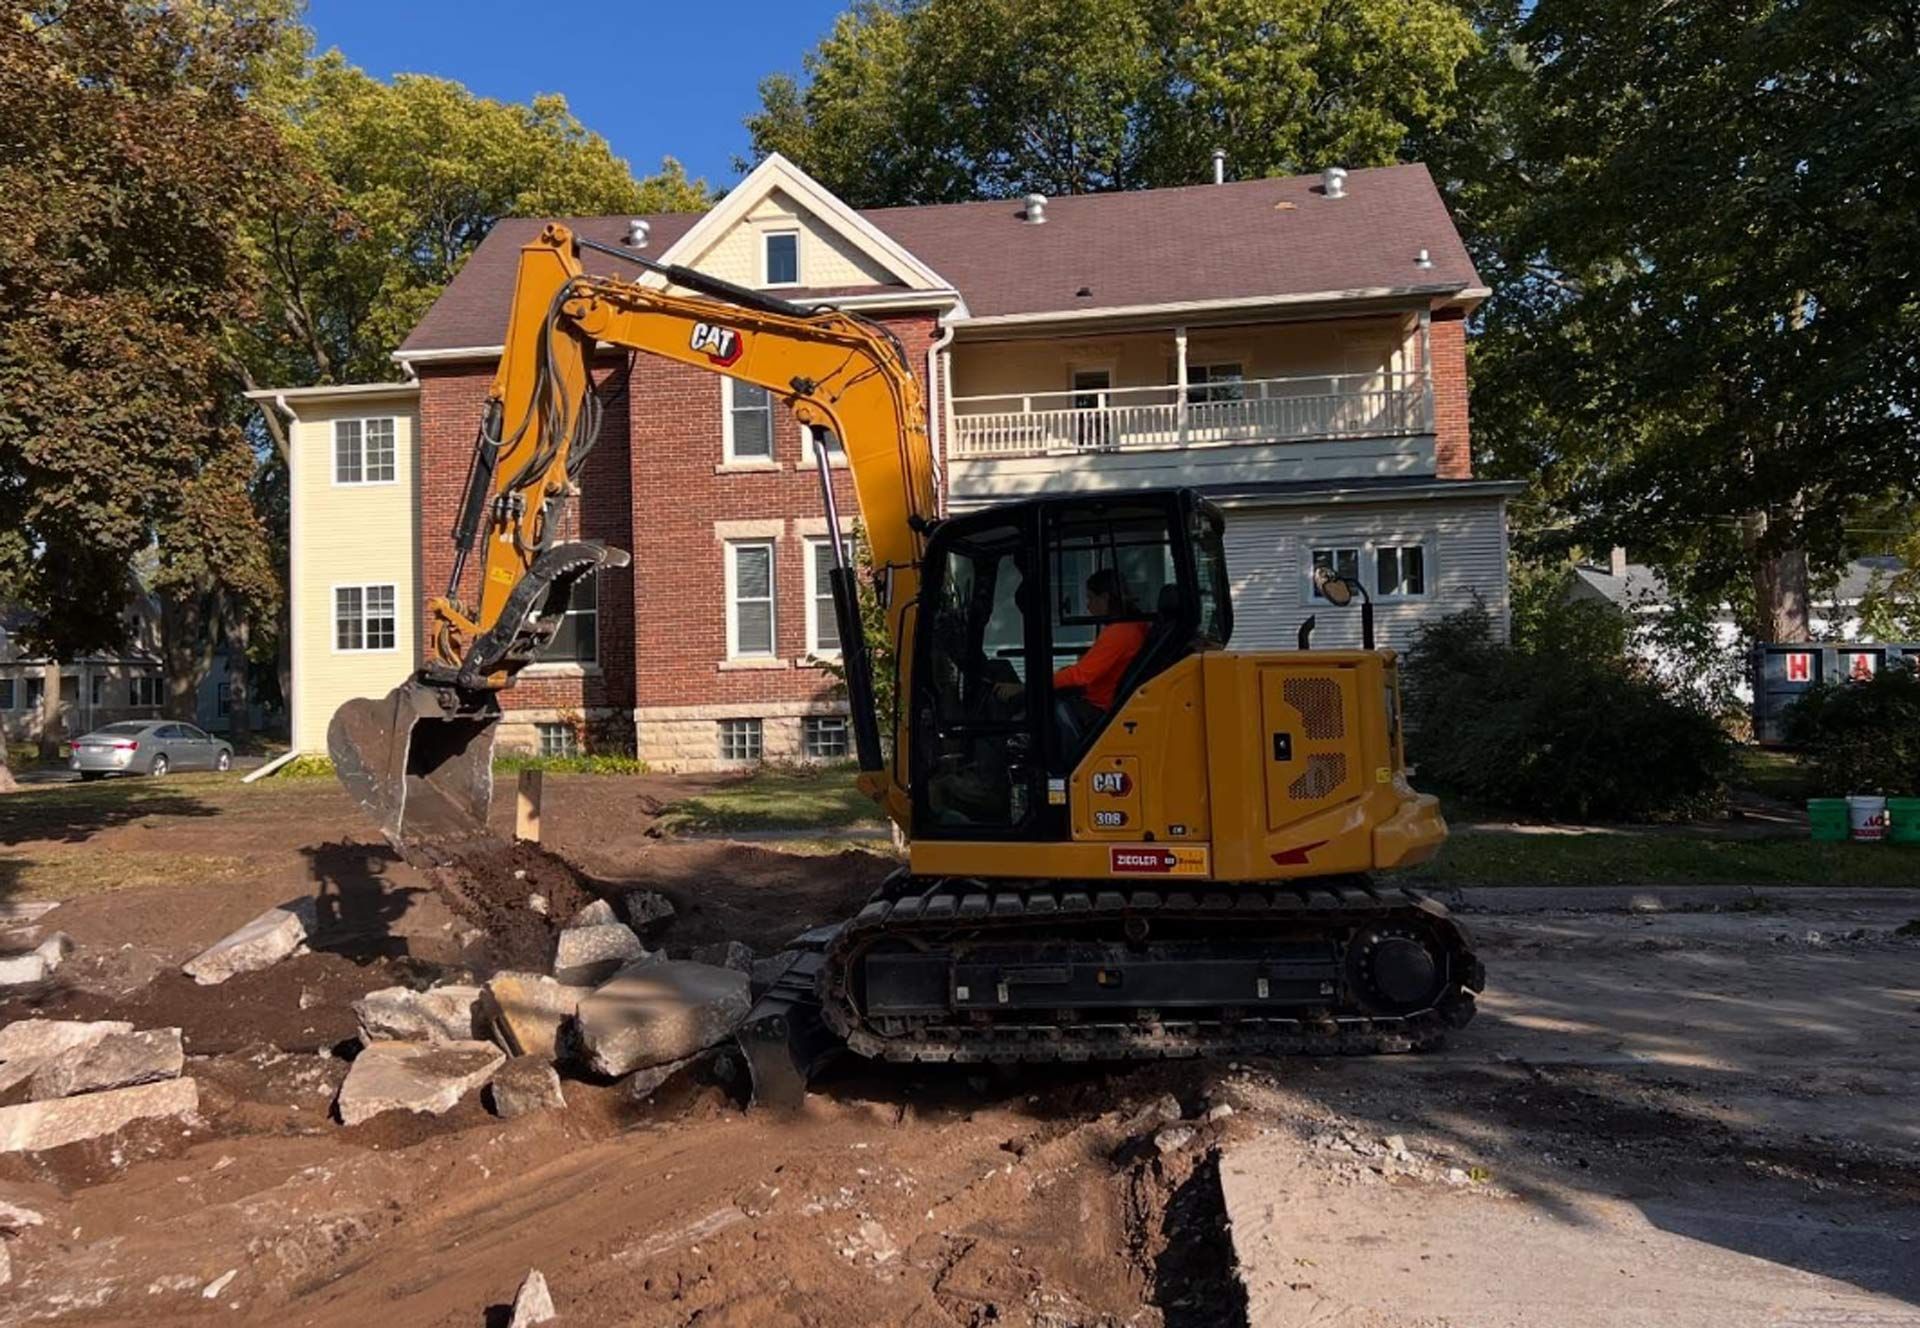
column 1256, row 239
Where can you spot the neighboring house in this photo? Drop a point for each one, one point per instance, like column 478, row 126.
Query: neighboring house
column 1294, row 348
column 94, row 689
column 1641, row 592
column 354, row 588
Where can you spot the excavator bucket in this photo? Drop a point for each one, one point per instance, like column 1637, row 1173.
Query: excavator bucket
column 423, row 771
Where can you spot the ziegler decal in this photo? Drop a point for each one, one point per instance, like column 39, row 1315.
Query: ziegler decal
column 722, row 345
column 1115, row 782
column 1152, row 860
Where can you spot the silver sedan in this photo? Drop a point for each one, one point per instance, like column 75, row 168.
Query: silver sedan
column 147, row 747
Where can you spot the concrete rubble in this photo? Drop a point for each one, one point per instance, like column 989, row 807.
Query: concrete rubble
column 523, row 1012
column 37, row 964
column 532, row 1303
column 421, row 1077
column 725, row 954
column 34, row 1126
column 118, row 1060
column 262, row 943
column 523, row 1085
column 597, row 914
column 643, row 1084
column 645, row 906
column 401, row 1014
column 593, row 954
column 33, row 1039
column 654, row 1013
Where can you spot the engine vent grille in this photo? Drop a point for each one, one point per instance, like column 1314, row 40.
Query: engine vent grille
column 1324, row 775
column 1318, row 701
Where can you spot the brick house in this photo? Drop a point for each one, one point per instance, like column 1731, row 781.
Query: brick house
column 1294, row 348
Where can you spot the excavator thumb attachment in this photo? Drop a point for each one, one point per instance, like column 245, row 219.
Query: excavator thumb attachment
column 420, row 760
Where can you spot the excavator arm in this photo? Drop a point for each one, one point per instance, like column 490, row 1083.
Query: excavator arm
column 420, row 759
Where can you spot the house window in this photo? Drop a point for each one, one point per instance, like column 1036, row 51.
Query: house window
column 96, row 689
column 558, row 740
column 836, row 455
column 578, row 639
column 1215, row 382
column 824, row 737
column 363, row 618
column 750, row 599
column 223, row 700
column 363, row 451
column 36, row 693
column 823, row 627
column 6, row 693
column 1343, row 562
column 783, row 258
column 748, row 424
column 740, row 740
column 1400, row 571
column 144, row 691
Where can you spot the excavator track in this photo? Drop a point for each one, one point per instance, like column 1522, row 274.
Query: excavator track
column 962, row 971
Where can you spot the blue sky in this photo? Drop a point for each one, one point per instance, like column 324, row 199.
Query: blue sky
column 654, row 79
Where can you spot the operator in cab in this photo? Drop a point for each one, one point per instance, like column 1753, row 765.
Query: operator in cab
column 1084, row 690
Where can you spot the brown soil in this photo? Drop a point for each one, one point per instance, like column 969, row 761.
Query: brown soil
column 496, row 891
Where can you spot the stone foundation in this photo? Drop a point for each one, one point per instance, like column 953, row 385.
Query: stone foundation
column 687, row 738
column 519, row 731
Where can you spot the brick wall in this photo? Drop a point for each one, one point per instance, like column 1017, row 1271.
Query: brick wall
column 1453, row 452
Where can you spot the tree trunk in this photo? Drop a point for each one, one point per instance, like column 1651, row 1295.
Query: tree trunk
column 6, row 775
column 53, row 729
column 1780, row 593
column 186, row 644
column 239, row 697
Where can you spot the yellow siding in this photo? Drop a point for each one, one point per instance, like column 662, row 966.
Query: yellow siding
column 1147, row 359
column 356, row 534
column 826, row 259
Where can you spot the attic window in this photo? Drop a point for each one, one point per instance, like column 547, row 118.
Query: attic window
column 1084, row 293
column 783, row 258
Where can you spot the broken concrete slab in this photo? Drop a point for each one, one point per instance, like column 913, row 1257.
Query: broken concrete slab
column 643, row 1084
column 597, row 914
column 427, row 1078
column 34, row 1126
column 645, row 906
column 588, row 955
column 260, row 944
column 725, row 954
column 119, row 1060
column 525, row 1084
column 533, row 1303
column 23, row 970
column 524, row 1011
column 31, row 1039
column 651, row 1014
column 401, row 1014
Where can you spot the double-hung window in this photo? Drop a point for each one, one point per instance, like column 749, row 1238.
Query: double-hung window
column 750, row 617
column 144, row 691
column 1342, row 560
column 363, row 618
column 363, row 451
column 823, row 626
column 782, row 258
column 6, row 694
column 1215, row 382
column 748, row 423
column 578, row 640
column 1400, row 571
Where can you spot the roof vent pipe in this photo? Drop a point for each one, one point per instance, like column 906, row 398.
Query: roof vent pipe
column 1036, row 212
column 1219, row 165
column 1423, row 259
column 1333, row 182
column 637, row 233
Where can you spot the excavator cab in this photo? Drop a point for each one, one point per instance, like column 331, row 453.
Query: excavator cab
column 1012, row 601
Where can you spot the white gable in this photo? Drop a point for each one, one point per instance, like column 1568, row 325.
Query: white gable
column 837, row 246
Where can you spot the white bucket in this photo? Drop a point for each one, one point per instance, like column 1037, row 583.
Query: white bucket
column 1867, row 819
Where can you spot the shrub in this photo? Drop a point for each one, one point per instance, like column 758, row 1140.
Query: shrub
column 1559, row 728
column 1862, row 737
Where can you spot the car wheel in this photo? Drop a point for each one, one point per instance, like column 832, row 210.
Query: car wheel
column 159, row 767
column 224, row 762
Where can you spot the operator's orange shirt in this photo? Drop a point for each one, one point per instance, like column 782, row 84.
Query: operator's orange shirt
column 1098, row 672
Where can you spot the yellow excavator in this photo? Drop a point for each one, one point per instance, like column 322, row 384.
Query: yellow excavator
column 1184, row 870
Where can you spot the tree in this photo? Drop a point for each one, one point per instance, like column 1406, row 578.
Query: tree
column 928, row 101
column 1701, row 340
column 135, row 159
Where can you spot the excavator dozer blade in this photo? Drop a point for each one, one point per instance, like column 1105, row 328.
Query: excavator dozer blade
column 422, row 769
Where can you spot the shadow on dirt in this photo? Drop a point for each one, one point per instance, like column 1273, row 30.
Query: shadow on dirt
column 357, row 905
column 74, row 813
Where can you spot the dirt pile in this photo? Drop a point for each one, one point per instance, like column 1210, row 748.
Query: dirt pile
column 496, row 889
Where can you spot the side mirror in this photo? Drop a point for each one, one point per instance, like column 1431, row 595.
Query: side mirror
column 1335, row 589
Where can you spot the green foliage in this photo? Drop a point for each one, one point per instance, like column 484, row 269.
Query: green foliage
column 924, row 101
column 135, row 158
column 1696, row 219
column 305, row 767
column 1547, row 730
column 873, row 625
column 1547, row 617
column 583, row 764
column 1861, row 737
column 1475, row 856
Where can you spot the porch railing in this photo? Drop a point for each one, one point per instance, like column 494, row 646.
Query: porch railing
column 1212, row 414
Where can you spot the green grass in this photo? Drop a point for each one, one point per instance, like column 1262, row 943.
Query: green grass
column 572, row 765
column 1775, row 774
column 776, row 798
column 1489, row 857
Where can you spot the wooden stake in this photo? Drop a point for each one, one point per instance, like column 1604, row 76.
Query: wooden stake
column 526, row 818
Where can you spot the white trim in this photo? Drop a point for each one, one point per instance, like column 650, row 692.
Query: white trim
column 814, row 546
column 836, row 459
column 436, row 354
column 281, row 395
column 771, row 461
column 1206, row 306
column 776, row 172
column 1367, row 564
column 393, row 425
column 772, row 653
column 1423, row 542
column 784, row 226
column 333, row 617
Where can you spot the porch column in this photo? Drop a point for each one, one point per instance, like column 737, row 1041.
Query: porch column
column 1425, row 381
column 1180, row 381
